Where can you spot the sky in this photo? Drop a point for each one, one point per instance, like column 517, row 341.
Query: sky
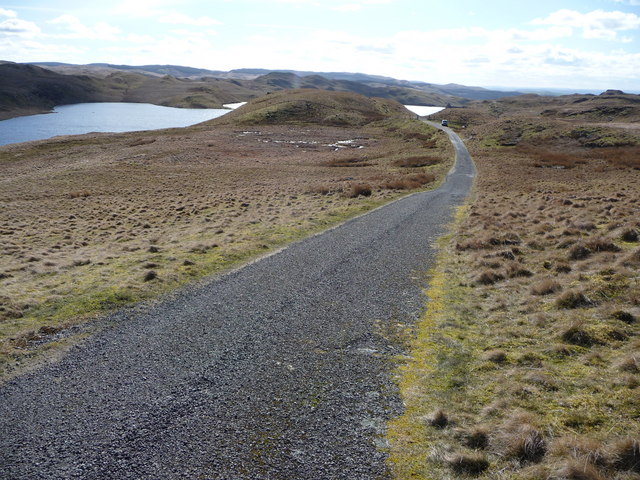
column 571, row 44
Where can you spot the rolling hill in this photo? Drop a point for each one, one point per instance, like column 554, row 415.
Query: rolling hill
column 311, row 106
column 27, row 89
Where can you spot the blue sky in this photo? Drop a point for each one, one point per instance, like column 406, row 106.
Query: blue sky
column 585, row 44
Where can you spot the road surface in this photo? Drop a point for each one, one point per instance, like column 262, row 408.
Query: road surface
column 279, row 370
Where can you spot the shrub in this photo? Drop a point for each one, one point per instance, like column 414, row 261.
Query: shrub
column 625, row 455
column 489, row 277
column 150, row 275
column 572, row 299
column 509, row 238
column 516, row 270
column 602, row 245
column 496, row 356
column 469, row 463
column 360, row 189
column 587, row 226
column 577, row 471
column 416, row 162
column 577, row 334
column 518, row 438
column 630, row 364
column 477, row 438
column 545, row 287
column 624, row 316
column 526, row 444
column 630, row 235
column 439, row 419
column 347, row 162
column 563, row 267
column 579, row 252
column 584, row 448
column 409, row 182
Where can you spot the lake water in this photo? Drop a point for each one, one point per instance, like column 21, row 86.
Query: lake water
column 117, row 117
column 422, row 110
column 101, row 117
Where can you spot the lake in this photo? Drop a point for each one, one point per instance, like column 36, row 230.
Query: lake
column 422, row 110
column 101, row 117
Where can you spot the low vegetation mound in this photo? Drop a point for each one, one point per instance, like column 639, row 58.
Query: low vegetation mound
column 317, row 107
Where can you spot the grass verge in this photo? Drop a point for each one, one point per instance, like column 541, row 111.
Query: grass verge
column 525, row 364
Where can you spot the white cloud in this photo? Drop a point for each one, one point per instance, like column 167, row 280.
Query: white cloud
column 182, row 19
column 136, row 38
column 76, row 29
column 7, row 13
column 596, row 24
column 357, row 5
column 142, row 8
column 339, row 5
column 17, row 27
column 27, row 50
column 348, row 7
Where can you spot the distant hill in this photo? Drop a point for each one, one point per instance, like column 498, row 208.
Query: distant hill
column 26, row 88
column 462, row 91
column 553, row 114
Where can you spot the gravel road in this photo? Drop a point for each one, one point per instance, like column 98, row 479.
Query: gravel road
column 279, row 370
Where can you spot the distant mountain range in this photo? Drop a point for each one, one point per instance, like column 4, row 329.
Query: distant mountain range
column 451, row 89
column 31, row 88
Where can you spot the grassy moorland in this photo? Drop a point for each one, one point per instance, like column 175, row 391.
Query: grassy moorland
column 527, row 362
column 94, row 222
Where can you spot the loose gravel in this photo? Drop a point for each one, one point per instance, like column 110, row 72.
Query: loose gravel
column 279, row 370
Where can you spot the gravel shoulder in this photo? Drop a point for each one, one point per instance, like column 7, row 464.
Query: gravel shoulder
column 279, row 370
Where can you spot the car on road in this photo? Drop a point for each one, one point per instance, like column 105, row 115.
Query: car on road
column 445, row 123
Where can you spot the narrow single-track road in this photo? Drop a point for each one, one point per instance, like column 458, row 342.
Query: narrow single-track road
column 279, row 370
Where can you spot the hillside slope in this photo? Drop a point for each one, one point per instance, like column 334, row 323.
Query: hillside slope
column 28, row 89
column 314, row 107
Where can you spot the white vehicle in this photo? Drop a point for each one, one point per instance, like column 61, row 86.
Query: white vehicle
column 445, row 123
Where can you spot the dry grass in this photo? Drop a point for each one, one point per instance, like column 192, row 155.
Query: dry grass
column 94, row 222
column 409, row 182
column 531, row 328
column 360, row 190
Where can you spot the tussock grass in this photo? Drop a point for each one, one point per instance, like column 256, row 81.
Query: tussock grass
column 544, row 363
column 417, row 162
column 359, row 189
column 469, row 463
column 409, row 182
